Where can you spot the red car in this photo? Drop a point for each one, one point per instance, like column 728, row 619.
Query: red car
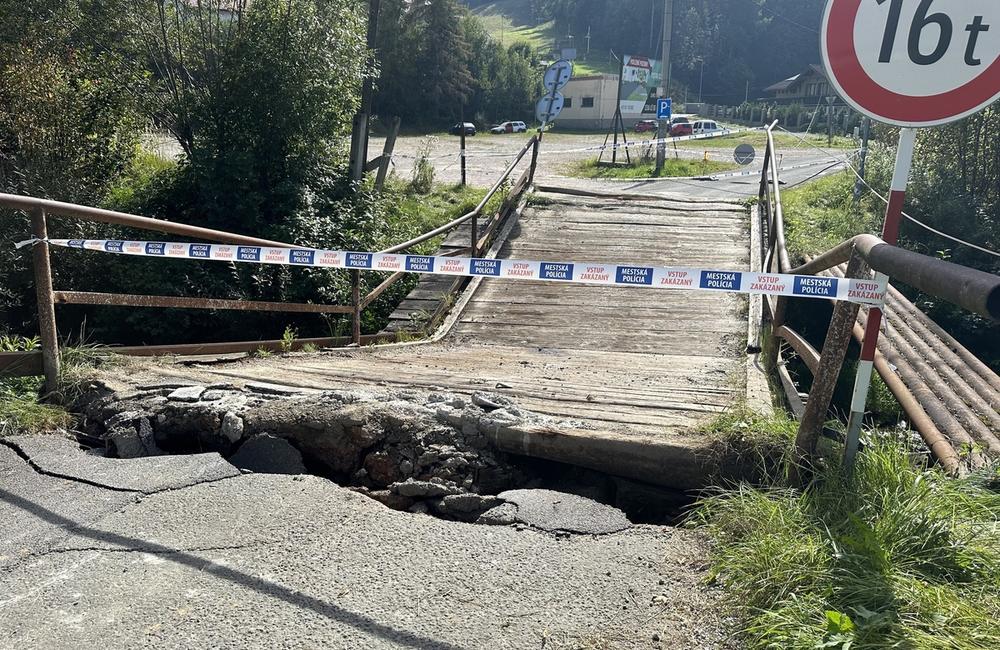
column 680, row 126
column 645, row 126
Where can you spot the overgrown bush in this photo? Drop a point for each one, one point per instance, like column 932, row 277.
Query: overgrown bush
column 423, row 169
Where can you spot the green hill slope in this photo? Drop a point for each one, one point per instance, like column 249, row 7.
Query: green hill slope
column 512, row 21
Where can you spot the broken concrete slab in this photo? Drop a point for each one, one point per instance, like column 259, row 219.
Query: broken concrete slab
column 266, row 454
column 557, row 511
column 279, row 561
column 62, row 457
column 35, row 509
column 277, row 389
column 187, row 394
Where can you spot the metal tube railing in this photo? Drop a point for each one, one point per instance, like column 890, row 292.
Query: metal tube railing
column 971, row 289
column 48, row 298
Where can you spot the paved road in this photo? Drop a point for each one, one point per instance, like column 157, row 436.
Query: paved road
column 560, row 152
column 263, row 561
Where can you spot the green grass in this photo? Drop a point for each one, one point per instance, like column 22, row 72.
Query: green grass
column 781, row 140
column 894, row 556
column 20, row 409
column 425, row 212
column 820, row 215
column 673, row 167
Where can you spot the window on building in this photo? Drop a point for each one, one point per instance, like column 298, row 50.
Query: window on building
column 568, row 103
column 588, row 102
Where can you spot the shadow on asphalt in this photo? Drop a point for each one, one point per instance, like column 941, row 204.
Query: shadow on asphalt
column 329, row 610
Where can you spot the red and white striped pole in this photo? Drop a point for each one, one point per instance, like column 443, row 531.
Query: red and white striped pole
column 890, row 233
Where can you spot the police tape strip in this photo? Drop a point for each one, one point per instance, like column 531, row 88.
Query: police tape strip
column 865, row 292
column 470, row 154
column 719, row 177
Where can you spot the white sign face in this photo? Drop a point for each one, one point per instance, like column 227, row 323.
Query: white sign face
column 549, row 107
column 913, row 62
column 557, row 75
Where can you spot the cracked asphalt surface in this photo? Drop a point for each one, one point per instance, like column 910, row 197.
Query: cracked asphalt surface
column 210, row 560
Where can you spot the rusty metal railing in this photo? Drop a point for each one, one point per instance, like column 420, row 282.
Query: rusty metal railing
column 47, row 360
column 970, row 289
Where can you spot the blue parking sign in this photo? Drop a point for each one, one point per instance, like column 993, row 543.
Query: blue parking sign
column 664, row 109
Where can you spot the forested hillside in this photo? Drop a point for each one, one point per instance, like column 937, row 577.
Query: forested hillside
column 739, row 41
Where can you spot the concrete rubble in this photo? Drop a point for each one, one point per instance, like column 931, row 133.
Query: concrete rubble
column 423, row 452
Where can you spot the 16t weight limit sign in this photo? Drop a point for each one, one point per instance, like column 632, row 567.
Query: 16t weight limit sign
column 914, row 62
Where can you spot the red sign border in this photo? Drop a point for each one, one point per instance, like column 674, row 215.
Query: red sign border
column 845, row 71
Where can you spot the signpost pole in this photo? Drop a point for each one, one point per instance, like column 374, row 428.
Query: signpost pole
column 664, row 126
column 890, row 233
column 618, row 110
column 462, row 133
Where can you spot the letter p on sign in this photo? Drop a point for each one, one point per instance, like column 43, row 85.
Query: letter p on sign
column 914, row 63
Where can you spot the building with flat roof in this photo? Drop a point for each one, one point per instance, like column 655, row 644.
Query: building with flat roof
column 590, row 104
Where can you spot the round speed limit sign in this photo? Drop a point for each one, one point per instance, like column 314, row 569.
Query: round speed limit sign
column 914, row 63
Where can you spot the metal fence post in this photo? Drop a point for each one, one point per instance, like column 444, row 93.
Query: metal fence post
column 46, row 306
column 356, row 303
column 474, row 245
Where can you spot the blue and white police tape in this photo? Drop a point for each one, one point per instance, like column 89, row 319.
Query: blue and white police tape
column 866, row 292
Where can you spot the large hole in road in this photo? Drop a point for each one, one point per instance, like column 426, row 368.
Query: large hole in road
column 426, row 452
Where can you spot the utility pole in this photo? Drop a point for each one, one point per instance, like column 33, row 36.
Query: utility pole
column 652, row 17
column 701, row 80
column 588, row 41
column 866, row 128
column 664, row 126
column 359, row 129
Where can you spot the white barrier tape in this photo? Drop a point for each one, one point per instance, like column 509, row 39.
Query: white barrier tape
column 469, row 154
column 26, row 242
column 719, row 177
column 865, row 292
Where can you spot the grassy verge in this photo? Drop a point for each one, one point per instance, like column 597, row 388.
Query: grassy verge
column 821, row 214
column 425, row 212
column 21, row 412
column 894, row 556
column 781, row 141
column 674, row 167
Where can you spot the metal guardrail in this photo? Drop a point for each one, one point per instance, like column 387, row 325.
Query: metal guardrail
column 970, row 289
column 25, row 363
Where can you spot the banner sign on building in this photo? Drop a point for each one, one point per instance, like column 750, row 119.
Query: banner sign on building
column 641, row 77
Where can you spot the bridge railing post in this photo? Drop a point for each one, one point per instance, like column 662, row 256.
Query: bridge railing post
column 838, row 338
column 46, row 303
column 356, row 304
column 474, row 243
column 534, row 159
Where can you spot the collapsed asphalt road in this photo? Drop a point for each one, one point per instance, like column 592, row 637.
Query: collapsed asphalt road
column 186, row 552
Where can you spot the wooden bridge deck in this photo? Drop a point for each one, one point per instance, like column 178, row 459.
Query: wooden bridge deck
column 634, row 361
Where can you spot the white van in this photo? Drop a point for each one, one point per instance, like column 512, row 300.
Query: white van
column 705, row 126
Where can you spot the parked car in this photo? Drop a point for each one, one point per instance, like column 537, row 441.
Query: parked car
column 510, row 127
column 705, row 126
column 645, row 126
column 470, row 129
column 680, row 126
